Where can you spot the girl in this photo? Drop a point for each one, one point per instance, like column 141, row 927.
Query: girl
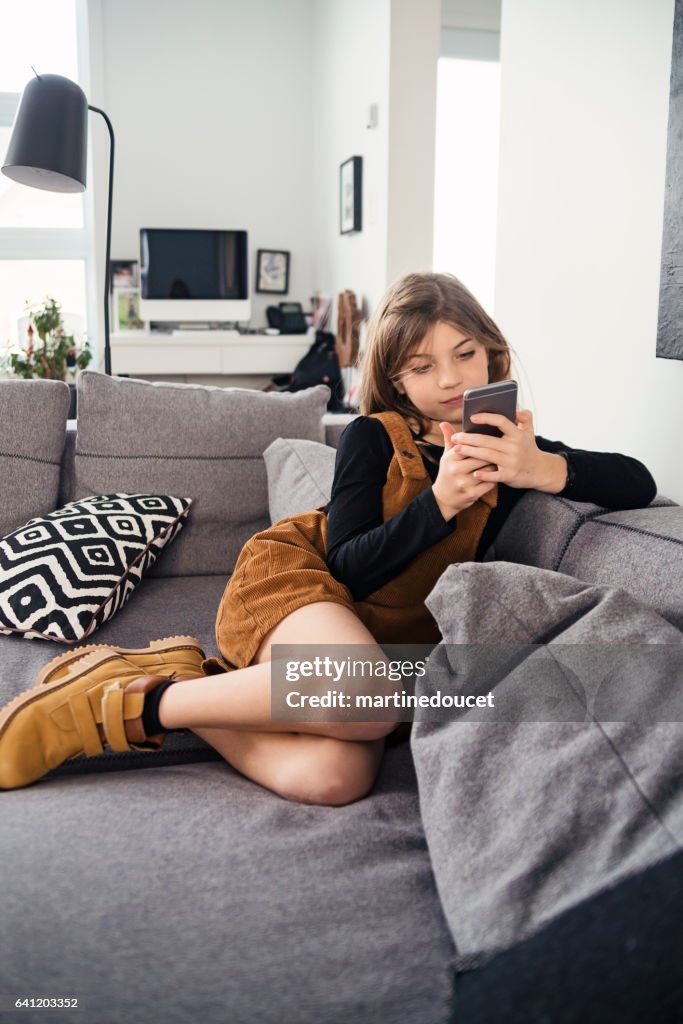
column 411, row 494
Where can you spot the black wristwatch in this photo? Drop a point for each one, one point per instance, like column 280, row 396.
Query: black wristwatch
column 571, row 471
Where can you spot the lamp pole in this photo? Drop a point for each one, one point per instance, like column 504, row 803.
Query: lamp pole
column 107, row 256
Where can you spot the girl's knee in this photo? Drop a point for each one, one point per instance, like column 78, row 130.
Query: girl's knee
column 333, row 774
column 360, row 731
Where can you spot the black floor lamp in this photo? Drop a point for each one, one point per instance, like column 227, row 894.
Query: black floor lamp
column 48, row 150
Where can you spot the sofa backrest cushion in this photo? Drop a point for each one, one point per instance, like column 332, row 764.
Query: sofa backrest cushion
column 203, row 442
column 334, row 424
column 541, row 526
column 300, row 475
column 33, row 417
column 640, row 550
column 538, row 529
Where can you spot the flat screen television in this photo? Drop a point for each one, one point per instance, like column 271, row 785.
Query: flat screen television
column 198, row 276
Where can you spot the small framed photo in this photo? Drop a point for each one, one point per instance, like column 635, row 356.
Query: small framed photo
column 127, row 310
column 272, row 271
column 350, row 195
column 124, row 274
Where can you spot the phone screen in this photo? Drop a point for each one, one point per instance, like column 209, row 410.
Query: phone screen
column 498, row 398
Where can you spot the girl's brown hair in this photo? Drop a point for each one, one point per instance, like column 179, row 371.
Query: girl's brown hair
column 410, row 308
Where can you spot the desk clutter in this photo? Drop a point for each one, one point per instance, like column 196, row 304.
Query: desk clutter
column 328, row 356
column 287, row 318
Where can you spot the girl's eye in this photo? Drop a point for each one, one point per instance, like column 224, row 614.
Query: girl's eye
column 421, row 369
column 466, row 355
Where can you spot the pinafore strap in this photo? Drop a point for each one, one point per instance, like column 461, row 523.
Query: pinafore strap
column 406, row 452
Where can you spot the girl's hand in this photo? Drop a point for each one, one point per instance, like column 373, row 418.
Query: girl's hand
column 456, row 487
column 517, row 460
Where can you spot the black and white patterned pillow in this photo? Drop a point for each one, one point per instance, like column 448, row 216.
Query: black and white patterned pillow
column 64, row 574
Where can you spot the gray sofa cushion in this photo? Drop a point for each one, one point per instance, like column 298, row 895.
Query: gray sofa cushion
column 300, row 475
column 184, row 605
column 538, row 530
column 201, row 896
column 525, row 819
column 30, row 448
column 203, row 442
column 335, row 425
column 160, row 607
column 641, row 550
column 541, row 527
column 67, row 476
column 333, row 430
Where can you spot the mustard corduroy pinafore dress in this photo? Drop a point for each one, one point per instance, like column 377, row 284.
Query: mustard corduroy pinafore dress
column 283, row 568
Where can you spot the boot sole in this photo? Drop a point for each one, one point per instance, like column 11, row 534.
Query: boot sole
column 169, row 644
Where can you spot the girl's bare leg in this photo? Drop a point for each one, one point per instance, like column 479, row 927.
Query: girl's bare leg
column 304, row 766
column 242, row 699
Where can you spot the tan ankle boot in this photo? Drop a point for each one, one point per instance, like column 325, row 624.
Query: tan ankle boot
column 50, row 724
column 177, row 653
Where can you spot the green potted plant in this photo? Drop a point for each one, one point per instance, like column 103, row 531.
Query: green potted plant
column 53, row 355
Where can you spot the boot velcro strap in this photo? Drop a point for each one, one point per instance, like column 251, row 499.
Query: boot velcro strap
column 113, row 716
column 84, row 720
column 119, row 707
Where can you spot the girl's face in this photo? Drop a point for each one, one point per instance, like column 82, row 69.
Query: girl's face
column 435, row 376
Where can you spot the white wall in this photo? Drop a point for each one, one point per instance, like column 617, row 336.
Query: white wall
column 585, row 88
column 380, row 52
column 212, row 108
column 238, row 114
column 350, row 72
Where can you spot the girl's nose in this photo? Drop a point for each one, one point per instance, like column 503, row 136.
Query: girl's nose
column 448, row 376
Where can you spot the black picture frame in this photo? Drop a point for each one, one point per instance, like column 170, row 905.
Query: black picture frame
column 272, row 271
column 351, row 195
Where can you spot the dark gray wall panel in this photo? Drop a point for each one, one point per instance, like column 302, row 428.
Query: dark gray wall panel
column 670, row 326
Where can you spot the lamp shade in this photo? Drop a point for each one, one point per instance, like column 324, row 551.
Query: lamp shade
column 49, row 139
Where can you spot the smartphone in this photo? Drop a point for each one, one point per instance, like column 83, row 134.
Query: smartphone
column 499, row 398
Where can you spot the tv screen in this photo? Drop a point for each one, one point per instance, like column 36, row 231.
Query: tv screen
column 181, row 263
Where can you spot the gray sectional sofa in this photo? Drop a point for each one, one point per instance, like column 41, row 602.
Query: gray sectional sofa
column 496, row 872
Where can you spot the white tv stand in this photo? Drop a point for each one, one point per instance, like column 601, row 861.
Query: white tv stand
column 202, row 353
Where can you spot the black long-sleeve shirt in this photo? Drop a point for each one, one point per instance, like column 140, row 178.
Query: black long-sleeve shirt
column 364, row 552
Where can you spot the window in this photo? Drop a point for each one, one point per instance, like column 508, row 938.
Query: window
column 41, row 33
column 44, row 236
column 466, row 175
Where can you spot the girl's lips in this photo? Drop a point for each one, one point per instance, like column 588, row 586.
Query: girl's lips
column 453, row 401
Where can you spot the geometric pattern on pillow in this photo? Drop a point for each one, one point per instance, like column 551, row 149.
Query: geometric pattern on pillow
column 64, row 574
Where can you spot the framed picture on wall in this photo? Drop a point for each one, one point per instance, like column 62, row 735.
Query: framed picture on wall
column 351, row 195
column 127, row 310
column 272, row 271
column 124, row 274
